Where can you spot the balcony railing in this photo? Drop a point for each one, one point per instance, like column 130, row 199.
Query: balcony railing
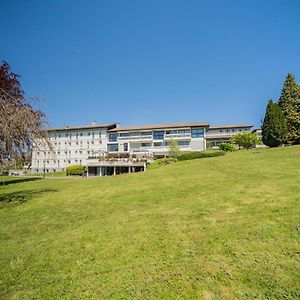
column 177, row 135
column 137, row 137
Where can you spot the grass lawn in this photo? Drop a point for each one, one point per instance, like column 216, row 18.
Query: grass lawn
column 215, row 228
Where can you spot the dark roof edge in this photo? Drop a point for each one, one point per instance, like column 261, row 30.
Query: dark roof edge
column 109, row 126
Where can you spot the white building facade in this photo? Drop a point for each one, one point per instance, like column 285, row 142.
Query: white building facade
column 70, row 146
column 108, row 149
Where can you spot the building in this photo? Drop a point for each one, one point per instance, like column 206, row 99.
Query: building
column 220, row 134
column 70, row 146
column 108, row 149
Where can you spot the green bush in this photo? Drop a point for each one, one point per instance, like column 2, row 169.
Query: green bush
column 75, row 170
column 200, row 154
column 227, row 147
column 161, row 162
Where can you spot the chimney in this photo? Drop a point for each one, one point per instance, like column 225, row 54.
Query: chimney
column 93, row 123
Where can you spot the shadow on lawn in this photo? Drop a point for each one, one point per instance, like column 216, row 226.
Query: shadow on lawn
column 18, row 180
column 17, row 198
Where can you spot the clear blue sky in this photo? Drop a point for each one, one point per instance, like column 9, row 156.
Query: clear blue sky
column 147, row 62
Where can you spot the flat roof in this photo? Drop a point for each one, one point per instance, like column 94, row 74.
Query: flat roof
column 229, row 126
column 82, row 127
column 160, row 126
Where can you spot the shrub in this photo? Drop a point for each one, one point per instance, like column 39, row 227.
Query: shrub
column 75, row 170
column 227, row 147
column 245, row 140
column 200, row 154
column 161, row 162
column 174, row 150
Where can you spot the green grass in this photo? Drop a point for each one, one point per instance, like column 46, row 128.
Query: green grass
column 48, row 174
column 217, row 228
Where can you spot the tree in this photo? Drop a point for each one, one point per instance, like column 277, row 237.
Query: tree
column 174, row 150
column 245, row 140
column 289, row 102
column 20, row 123
column 274, row 129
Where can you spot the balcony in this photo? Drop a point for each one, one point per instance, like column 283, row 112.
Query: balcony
column 177, row 136
column 135, row 138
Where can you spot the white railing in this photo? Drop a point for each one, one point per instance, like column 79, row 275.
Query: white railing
column 177, row 135
column 137, row 137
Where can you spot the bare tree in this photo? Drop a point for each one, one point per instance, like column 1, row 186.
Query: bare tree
column 21, row 125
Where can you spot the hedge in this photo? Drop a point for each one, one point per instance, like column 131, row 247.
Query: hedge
column 200, row 154
column 75, row 170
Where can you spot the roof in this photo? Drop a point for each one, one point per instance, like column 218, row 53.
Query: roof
column 82, row 127
column 159, row 126
column 230, row 126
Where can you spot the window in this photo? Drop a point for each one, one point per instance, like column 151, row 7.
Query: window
column 81, row 134
column 66, row 134
column 113, row 147
column 183, row 143
column 92, row 142
column 99, row 134
column 125, row 146
column 158, row 135
column 158, row 144
column 147, row 133
column 197, row 132
column 184, row 131
column 124, row 134
column 171, row 131
column 113, row 137
column 76, row 135
column 89, row 134
column 146, row 144
column 93, row 135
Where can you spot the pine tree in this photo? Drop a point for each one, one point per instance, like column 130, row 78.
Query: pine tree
column 289, row 102
column 274, row 129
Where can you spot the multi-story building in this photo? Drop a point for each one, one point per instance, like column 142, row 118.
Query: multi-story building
column 220, row 134
column 70, row 146
column 109, row 149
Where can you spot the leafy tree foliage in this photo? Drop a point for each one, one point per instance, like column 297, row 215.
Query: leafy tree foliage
column 228, row 147
column 245, row 140
column 274, row 129
column 289, row 102
column 174, row 150
column 20, row 123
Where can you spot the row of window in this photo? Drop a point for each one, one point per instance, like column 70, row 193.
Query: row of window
column 227, row 130
column 58, row 161
column 159, row 135
column 77, row 135
column 76, row 143
column 65, row 152
column 115, row 147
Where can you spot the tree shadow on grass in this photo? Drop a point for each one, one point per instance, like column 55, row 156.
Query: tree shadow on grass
column 18, row 180
column 21, row 197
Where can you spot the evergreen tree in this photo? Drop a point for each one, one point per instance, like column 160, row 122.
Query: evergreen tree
column 274, row 129
column 289, row 102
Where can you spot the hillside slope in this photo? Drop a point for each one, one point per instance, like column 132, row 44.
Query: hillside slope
column 225, row 227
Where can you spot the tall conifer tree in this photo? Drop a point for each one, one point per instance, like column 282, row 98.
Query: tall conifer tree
column 289, row 102
column 274, row 129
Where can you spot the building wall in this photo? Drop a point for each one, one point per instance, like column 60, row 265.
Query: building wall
column 157, row 141
column 69, row 147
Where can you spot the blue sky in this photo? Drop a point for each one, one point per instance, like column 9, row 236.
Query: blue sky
column 147, row 62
